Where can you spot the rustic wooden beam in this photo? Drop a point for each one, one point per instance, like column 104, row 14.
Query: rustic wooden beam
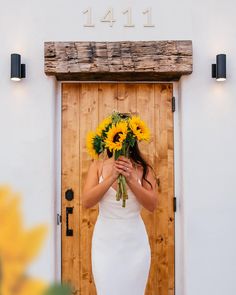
column 121, row 60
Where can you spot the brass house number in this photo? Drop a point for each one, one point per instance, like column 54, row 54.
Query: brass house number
column 109, row 17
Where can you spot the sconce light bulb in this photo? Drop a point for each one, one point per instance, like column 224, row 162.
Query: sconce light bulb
column 15, row 79
column 220, row 79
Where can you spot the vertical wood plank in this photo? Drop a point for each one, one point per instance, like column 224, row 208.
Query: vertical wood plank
column 127, row 98
column 158, row 239
column 88, row 110
column 107, row 94
column 70, row 171
column 171, row 225
column 164, row 257
column 145, row 109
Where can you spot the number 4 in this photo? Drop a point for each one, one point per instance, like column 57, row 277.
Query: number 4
column 108, row 17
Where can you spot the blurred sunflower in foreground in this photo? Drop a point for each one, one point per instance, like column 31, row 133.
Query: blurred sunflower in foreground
column 18, row 246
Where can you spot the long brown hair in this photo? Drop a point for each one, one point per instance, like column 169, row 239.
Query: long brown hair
column 136, row 155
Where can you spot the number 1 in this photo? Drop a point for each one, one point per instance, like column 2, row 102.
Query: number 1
column 129, row 23
column 148, row 11
column 89, row 19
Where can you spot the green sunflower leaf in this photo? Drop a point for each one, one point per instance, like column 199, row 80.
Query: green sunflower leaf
column 59, row 289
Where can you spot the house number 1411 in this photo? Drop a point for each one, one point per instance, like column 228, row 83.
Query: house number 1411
column 108, row 17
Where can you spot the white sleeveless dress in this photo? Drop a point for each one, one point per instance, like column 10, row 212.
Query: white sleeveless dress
column 120, row 252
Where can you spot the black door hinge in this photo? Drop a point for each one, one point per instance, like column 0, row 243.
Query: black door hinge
column 173, row 104
column 174, row 204
column 58, row 219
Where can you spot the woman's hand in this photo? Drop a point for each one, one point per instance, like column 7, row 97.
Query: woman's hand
column 124, row 166
column 114, row 171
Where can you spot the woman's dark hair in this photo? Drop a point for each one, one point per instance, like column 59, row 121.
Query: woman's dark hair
column 136, row 155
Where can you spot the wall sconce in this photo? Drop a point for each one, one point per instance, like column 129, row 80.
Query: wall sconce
column 219, row 69
column 17, row 69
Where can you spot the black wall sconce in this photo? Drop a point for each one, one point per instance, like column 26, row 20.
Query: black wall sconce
column 219, row 69
column 17, row 68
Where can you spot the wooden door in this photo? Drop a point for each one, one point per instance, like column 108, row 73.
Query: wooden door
column 83, row 106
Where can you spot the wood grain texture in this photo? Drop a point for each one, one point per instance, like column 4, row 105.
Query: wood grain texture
column 120, row 60
column 84, row 106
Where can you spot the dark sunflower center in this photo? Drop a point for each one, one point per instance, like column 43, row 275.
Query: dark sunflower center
column 116, row 137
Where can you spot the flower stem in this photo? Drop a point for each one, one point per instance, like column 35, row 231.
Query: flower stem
column 122, row 184
column 118, row 193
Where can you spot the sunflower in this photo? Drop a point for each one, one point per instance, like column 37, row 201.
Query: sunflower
column 18, row 247
column 116, row 136
column 90, row 144
column 139, row 128
column 103, row 125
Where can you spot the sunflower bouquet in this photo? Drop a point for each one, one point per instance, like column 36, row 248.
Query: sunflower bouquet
column 117, row 133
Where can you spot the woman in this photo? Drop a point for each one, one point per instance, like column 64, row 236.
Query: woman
column 121, row 254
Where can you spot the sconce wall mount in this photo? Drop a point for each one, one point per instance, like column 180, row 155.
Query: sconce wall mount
column 18, row 70
column 218, row 70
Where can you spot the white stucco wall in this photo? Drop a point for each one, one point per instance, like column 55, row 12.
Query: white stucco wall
column 205, row 123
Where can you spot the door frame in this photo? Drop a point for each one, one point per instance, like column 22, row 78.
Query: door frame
column 179, row 230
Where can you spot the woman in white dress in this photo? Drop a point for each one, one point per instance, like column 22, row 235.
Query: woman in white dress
column 121, row 253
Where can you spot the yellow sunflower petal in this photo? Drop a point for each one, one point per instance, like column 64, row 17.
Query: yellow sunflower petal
column 103, row 125
column 90, row 144
column 18, row 248
column 139, row 128
column 33, row 286
column 120, row 128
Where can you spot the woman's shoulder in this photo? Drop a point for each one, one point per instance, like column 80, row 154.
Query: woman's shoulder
column 99, row 163
column 94, row 166
column 96, row 163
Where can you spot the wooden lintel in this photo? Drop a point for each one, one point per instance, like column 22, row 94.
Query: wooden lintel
column 121, row 60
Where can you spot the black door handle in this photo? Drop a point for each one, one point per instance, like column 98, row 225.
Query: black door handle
column 69, row 195
column 69, row 232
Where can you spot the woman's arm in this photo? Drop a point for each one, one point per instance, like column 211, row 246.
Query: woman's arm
column 146, row 195
column 92, row 190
